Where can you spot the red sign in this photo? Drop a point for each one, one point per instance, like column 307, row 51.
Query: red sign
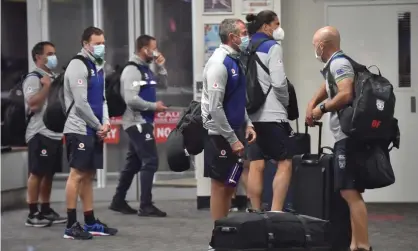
column 165, row 122
column 113, row 136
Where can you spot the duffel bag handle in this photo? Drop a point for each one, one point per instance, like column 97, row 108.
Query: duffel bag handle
column 226, row 229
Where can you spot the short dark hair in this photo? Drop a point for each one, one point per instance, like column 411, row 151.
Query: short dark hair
column 256, row 21
column 90, row 31
column 38, row 49
column 143, row 41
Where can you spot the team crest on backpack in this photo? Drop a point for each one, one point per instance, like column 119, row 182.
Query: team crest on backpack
column 380, row 104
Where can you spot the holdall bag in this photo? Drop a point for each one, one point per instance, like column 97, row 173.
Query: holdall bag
column 270, row 231
column 313, row 194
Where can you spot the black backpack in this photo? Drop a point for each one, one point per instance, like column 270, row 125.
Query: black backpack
column 177, row 158
column 371, row 113
column 191, row 126
column 255, row 94
column 55, row 114
column 292, row 108
column 15, row 117
column 115, row 102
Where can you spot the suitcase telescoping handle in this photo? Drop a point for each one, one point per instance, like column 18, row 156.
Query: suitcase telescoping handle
column 319, row 124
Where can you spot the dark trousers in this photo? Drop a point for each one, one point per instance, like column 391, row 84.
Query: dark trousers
column 142, row 156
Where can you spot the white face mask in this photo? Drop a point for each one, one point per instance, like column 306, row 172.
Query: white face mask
column 278, row 34
column 319, row 57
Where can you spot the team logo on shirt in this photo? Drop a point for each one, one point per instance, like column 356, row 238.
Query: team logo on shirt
column 215, row 85
column 380, row 104
column 44, row 152
column 234, row 73
column 341, row 161
column 80, row 81
column 92, row 73
column 81, row 147
column 340, row 72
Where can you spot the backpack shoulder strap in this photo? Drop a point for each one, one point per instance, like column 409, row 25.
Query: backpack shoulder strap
column 253, row 50
column 84, row 60
column 139, row 69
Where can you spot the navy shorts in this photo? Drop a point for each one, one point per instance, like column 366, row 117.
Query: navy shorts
column 272, row 141
column 84, row 152
column 218, row 156
column 349, row 156
column 44, row 155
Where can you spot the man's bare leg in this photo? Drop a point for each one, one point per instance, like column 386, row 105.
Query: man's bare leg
column 71, row 194
column 358, row 212
column 353, row 244
column 33, row 184
column 281, row 184
column 220, row 199
column 86, row 196
column 255, row 183
column 45, row 193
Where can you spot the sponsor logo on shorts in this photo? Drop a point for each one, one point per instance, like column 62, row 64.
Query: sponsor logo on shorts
column 148, row 137
column 81, row 147
column 44, row 153
column 223, row 154
column 341, row 161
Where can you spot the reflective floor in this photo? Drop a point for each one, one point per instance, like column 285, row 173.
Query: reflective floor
column 392, row 228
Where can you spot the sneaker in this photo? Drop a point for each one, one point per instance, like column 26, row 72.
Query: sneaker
column 37, row 220
column 100, row 229
column 151, row 211
column 55, row 217
column 122, row 207
column 76, row 232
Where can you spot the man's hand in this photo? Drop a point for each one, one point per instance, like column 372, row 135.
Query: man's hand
column 160, row 59
column 317, row 113
column 250, row 134
column 46, row 81
column 238, row 148
column 309, row 116
column 160, row 107
column 102, row 133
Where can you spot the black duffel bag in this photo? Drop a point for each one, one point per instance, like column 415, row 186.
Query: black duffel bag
column 270, row 231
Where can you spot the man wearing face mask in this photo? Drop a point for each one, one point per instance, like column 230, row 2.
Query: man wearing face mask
column 224, row 114
column 138, row 87
column 44, row 146
column 270, row 120
column 339, row 74
column 86, row 127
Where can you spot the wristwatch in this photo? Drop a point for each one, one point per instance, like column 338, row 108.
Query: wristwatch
column 322, row 108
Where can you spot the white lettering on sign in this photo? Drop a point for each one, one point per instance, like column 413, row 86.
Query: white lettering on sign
column 112, row 133
column 171, row 117
column 163, row 132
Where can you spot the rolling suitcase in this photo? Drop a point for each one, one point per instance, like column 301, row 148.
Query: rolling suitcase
column 302, row 143
column 270, row 231
column 313, row 194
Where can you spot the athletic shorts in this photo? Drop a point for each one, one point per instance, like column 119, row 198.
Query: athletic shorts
column 84, row 152
column 349, row 156
column 45, row 155
column 218, row 156
column 272, row 141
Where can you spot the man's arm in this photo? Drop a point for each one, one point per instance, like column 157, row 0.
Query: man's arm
column 131, row 80
column 343, row 73
column 248, row 120
column 278, row 75
column 76, row 73
column 217, row 77
column 35, row 94
column 319, row 96
column 105, row 119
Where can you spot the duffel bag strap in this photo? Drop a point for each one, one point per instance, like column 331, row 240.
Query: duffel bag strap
column 308, row 237
column 270, row 236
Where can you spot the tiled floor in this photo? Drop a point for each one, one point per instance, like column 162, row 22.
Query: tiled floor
column 392, row 228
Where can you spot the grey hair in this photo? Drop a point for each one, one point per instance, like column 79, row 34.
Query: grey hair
column 228, row 26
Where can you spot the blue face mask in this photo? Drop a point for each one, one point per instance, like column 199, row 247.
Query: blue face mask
column 99, row 51
column 51, row 62
column 245, row 41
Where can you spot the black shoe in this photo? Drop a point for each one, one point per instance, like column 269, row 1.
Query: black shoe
column 54, row 217
column 151, row 211
column 76, row 232
column 122, row 207
column 37, row 220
